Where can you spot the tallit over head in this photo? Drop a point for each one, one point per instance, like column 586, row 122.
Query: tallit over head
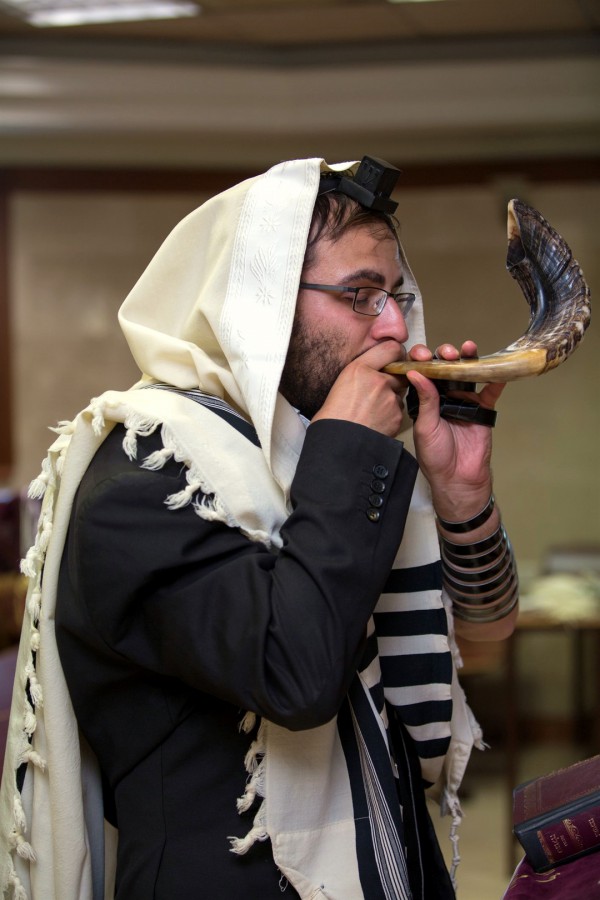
column 215, row 307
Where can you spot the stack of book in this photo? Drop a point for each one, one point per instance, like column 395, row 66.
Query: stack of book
column 556, row 817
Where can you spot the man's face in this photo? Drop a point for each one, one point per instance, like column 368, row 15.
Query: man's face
column 327, row 333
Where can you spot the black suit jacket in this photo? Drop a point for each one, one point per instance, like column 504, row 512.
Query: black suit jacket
column 170, row 627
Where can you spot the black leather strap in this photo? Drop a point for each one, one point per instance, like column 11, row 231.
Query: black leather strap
column 453, row 408
column 470, row 524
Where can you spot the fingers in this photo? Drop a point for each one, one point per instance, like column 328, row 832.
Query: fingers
column 420, row 352
column 490, row 393
column 381, row 354
column 429, row 399
column 468, row 350
column 362, row 393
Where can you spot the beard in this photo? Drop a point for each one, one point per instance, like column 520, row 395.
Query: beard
column 312, row 365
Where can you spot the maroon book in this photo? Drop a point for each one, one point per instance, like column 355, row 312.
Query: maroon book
column 556, row 817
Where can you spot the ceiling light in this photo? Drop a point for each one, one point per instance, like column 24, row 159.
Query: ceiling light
column 57, row 13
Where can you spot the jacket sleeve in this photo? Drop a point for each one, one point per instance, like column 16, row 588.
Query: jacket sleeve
column 276, row 633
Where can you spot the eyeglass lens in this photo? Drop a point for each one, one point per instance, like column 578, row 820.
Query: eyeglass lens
column 370, row 301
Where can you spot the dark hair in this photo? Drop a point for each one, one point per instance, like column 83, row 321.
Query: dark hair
column 334, row 214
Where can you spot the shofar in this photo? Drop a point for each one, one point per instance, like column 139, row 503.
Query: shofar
column 559, row 300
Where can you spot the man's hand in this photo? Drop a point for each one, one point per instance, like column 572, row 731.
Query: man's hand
column 454, row 456
column 364, row 394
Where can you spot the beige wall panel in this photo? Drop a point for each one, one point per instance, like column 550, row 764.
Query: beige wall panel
column 74, row 259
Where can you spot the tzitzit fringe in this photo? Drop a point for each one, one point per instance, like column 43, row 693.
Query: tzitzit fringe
column 45, row 487
column 255, row 767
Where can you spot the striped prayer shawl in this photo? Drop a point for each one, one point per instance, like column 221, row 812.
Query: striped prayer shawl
column 390, row 681
column 215, row 308
column 344, row 836
column 406, row 667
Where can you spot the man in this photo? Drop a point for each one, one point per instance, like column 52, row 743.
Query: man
column 212, row 561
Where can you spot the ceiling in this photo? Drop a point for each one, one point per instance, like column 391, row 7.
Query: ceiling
column 270, row 25
column 248, row 80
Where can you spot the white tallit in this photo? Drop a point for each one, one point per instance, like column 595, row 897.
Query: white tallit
column 214, row 311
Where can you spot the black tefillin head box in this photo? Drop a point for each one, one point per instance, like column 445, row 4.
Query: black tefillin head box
column 372, row 185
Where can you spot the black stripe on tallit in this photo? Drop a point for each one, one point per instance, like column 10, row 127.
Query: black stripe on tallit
column 433, row 748
column 378, row 696
column 415, row 578
column 416, row 668
column 378, row 820
column 428, row 711
column 365, row 854
column 369, row 653
column 413, row 621
column 216, row 405
column 429, row 878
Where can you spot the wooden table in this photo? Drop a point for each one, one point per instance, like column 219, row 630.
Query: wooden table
column 581, row 631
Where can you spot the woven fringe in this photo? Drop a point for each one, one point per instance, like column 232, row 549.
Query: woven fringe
column 19, row 813
column 455, row 861
column 14, row 882
column 157, row 460
column 44, row 486
column 248, row 722
column 29, row 720
column 183, row 498
column 23, row 750
column 21, row 846
column 450, row 805
column 35, row 688
column 35, row 759
column 258, row 832
column 137, row 426
column 254, row 763
column 476, row 731
column 30, row 563
column 65, row 426
column 208, row 508
column 256, row 785
column 97, row 409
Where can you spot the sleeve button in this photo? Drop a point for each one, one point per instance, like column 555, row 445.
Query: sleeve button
column 373, row 515
column 376, row 500
column 378, row 486
column 380, row 471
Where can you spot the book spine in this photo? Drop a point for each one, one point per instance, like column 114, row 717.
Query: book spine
column 555, row 842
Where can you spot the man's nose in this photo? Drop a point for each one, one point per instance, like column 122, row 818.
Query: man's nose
column 390, row 323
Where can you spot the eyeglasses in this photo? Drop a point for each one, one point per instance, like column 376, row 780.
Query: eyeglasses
column 368, row 301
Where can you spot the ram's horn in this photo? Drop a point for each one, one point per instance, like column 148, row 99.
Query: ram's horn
column 559, row 300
